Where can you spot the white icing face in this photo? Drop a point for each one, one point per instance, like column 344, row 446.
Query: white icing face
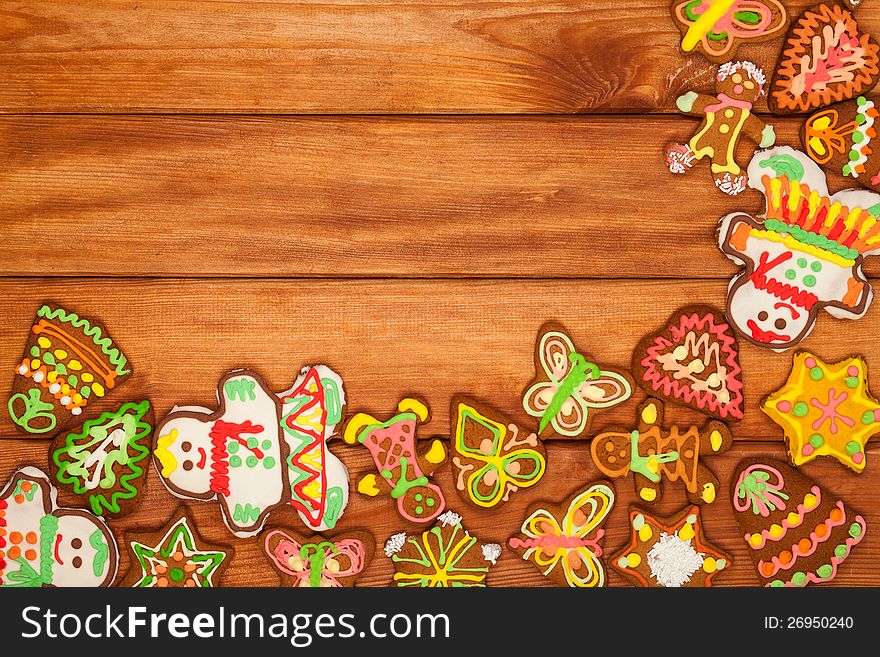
column 183, row 449
column 81, row 552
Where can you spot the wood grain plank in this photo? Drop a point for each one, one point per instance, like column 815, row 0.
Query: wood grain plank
column 343, row 56
column 509, row 197
column 390, row 339
column 569, row 468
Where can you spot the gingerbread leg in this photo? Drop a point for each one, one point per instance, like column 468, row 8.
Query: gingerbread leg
column 647, row 490
column 730, row 184
column 679, row 158
column 706, row 488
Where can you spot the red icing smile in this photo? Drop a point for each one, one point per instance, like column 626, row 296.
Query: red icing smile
column 201, row 464
column 57, row 545
column 765, row 336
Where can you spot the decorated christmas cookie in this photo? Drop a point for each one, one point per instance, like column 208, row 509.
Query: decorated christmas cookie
column 669, row 552
column 569, row 389
column 235, row 455
column 564, row 541
column 44, row 545
column 105, row 461
column 316, row 561
column 651, row 452
column 175, row 556
column 68, row 362
column 826, row 59
column 825, row 410
column 798, row 534
column 841, row 139
column 492, row 456
column 727, row 116
column 693, row 360
column 803, row 255
column 311, row 410
column 402, row 468
column 717, row 27
column 445, row 555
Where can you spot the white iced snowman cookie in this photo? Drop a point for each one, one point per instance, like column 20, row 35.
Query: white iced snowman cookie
column 311, row 410
column 44, row 545
column 235, row 455
column 802, row 255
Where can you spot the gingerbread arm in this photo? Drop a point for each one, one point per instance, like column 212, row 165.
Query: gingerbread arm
column 759, row 132
column 694, row 104
column 706, row 486
column 431, row 457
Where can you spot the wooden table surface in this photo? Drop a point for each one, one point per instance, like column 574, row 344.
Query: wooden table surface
column 403, row 190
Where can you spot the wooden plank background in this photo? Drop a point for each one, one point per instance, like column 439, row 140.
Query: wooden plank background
column 270, row 184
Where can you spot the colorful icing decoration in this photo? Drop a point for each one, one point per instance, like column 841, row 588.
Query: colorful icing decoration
column 669, row 551
column 727, row 116
column 310, row 412
column 693, row 360
column 826, row 59
column 105, row 461
column 798, row 534
column 569, row 389
column 564, row 541
column 803, row 255
column 445, row 555
column 318, row 562
column 68, row 361
column 403, row 470
column 44, row 545
column 492, row 457
column 825, row 410
column 652, row 453
column 175, row 556
column 717, row 27
column 841, row 139
column 235, row 455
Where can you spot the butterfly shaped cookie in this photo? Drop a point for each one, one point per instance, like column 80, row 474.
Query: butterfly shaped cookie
column 317, row 562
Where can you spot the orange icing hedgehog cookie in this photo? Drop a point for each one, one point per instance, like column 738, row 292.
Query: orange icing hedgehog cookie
column 825, row 410
column 727, row 116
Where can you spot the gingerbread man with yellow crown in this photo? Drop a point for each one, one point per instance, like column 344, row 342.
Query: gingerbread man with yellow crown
column 726, row 117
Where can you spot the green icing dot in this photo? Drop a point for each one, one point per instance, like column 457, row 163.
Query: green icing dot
column 176, row 574
column 851, row 381
column 853, row 156
column 253, row 442
column 72, row 380
column 692, row 519
column 816, row 374
column 852, row 447
column 825, row 571
column 799, row 579
column 800, row 409
column 235, row 461
column 251, row 461
column 419, row 497
column 790, row 274
column 861, row 101
column 856, row 137
column 855, row 530
column 232, row 447
column 816, row 266
column 809, row 280
column 266, row 444
column 777, row 583
column 430, row 501
column 816, row 440
column 85, row 391
column 268, row 463
column 802, row 262
column 48, row 358
column 35, row 351
column 840, row 551
column 622, row 562
column 420, row 510
column 868, row 417
column 846, row 169
column 721, row 564
column 638, row 522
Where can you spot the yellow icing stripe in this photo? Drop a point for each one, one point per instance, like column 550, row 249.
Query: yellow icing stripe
column 700, row 27
column 795, row 245
column 166, row 458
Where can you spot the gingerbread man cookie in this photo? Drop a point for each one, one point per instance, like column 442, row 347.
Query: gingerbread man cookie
column 651, row 452
column 727, row 116
column 802, row 255
column 235, row 455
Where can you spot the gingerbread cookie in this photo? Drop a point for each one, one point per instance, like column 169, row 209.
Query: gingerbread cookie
column 727, row 116
column 235, row 455
column 841, row 139
column 316, row 561
column 44, row 545
column 651, row 452
column 403, row 469
column 798, row 534
column 564, row 541
column 693, row 360
column 825, row 410
column 310, row 412
column 669, row 551
column 803, row 255
column 68, row 361
column 445, row 555
column 492, row 456
column 568, row 388
column 105, row 461
column 175, row 556
column 717, row 27
column 826, row 59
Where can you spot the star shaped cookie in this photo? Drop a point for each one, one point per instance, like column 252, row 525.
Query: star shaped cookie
column 669, row 551
column 175, row 556
column 825, row 410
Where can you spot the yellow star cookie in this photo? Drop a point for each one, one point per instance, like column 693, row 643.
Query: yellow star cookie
column 825, row 410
